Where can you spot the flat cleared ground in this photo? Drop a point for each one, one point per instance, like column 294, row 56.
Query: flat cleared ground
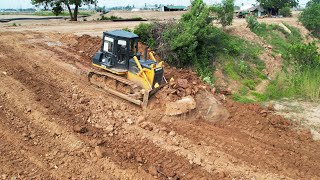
column 55, row 125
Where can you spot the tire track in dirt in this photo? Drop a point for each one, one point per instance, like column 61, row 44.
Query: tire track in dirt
column 59, row 111
column 248, row 148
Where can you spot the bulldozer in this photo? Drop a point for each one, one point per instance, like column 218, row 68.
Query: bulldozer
column 123, row 71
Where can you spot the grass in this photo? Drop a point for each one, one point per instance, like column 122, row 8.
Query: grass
column 277, row 37
column 64, row 13
column 304, row 84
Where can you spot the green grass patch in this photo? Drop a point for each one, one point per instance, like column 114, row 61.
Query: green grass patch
column 250, row 84
column 243, row 99
column 304, row 84
column 64, row 13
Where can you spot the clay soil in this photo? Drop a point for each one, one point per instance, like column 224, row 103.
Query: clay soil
column 55, row 125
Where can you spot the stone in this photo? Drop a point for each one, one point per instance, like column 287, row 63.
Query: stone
column 271, row 107
column 139, row 159
column 129, row 121
column 98, row 152
column 182, row 83
column 264, row 113
column 153, row 170
column 221, row 174
column 109, row 129
column 172, row 133
column 140, row 119
column 80, row 129
column 197, row 161
column 184, row 105
column 75, row 96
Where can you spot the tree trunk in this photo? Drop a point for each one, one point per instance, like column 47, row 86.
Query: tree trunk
column 75, row 14
column 70, row 12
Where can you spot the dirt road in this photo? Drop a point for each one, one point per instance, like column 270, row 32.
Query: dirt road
column 55, row 125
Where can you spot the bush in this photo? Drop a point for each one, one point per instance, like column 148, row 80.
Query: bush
column 252, row 22
column 224, row 12
column 285, row 12
column 302, row 56
column 144, row 30
column 310, row 18
column 194, row 42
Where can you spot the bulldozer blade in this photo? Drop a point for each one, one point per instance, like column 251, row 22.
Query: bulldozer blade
column 123, row 96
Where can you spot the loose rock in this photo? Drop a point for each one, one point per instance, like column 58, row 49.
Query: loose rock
column 80, row 129
column 153, row 170
column 98, row 152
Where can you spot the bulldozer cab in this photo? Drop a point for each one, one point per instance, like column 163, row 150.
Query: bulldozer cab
column 118, row 47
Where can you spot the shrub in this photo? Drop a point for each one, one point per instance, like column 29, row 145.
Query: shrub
column 310, row 18
column 285, row 12
column 252, row 22
column 144, row 30
column 225, row 12
column 302, row 56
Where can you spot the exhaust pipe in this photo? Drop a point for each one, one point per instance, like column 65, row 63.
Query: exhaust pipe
column 145, row 53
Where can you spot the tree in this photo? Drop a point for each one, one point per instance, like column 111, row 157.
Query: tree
column 57, row 6
column 310, row 18
column 312, row 2
column 285, row 12
column 273, row 6
column 225, row 12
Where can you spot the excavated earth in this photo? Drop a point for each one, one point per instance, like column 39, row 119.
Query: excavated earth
column 55, row 125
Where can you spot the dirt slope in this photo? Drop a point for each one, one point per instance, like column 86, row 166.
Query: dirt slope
column 54, row 125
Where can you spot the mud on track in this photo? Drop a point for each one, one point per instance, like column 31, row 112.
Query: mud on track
column 54, row 125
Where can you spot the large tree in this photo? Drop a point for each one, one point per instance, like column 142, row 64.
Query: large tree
column 57, row 5
column 273, row 6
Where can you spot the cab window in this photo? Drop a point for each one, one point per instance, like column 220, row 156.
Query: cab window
column 108, row 44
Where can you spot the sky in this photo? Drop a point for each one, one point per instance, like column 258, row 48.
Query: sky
column 17, row 4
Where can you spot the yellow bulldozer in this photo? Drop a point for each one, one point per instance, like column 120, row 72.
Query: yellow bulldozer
column 123, row 70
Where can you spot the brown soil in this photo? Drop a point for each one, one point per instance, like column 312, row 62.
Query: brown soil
column 54, row 125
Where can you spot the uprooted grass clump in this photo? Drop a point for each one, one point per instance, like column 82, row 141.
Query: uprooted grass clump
column 194, row 42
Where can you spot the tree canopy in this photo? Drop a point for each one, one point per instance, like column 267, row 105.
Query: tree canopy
column 57, row 6
column 224, row 11
column 310, row 18
column 273, row 6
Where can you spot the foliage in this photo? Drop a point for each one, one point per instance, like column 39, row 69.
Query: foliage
column 144, row 30
column 311, row 2
column 63, row 13
column 57, row 9
column 301, row 72
column 57, row 6
column 303, row 56
column 276, row 4
column 14, row 24
column 242, row 99
column 276, row 36
column 252, row 22
column 225, row 12
column 310, row 18
column 103, row 18
column 194, row 42
column 302, row 84
column 250, row 84
column 285, row 12
column 127, row 29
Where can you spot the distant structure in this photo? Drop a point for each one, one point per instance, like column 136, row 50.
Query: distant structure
column 250, row 10
column 173, row 8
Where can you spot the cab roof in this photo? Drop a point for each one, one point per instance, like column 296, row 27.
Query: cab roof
column 121, row 34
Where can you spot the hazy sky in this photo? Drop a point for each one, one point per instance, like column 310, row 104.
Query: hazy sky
column 109, row 3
